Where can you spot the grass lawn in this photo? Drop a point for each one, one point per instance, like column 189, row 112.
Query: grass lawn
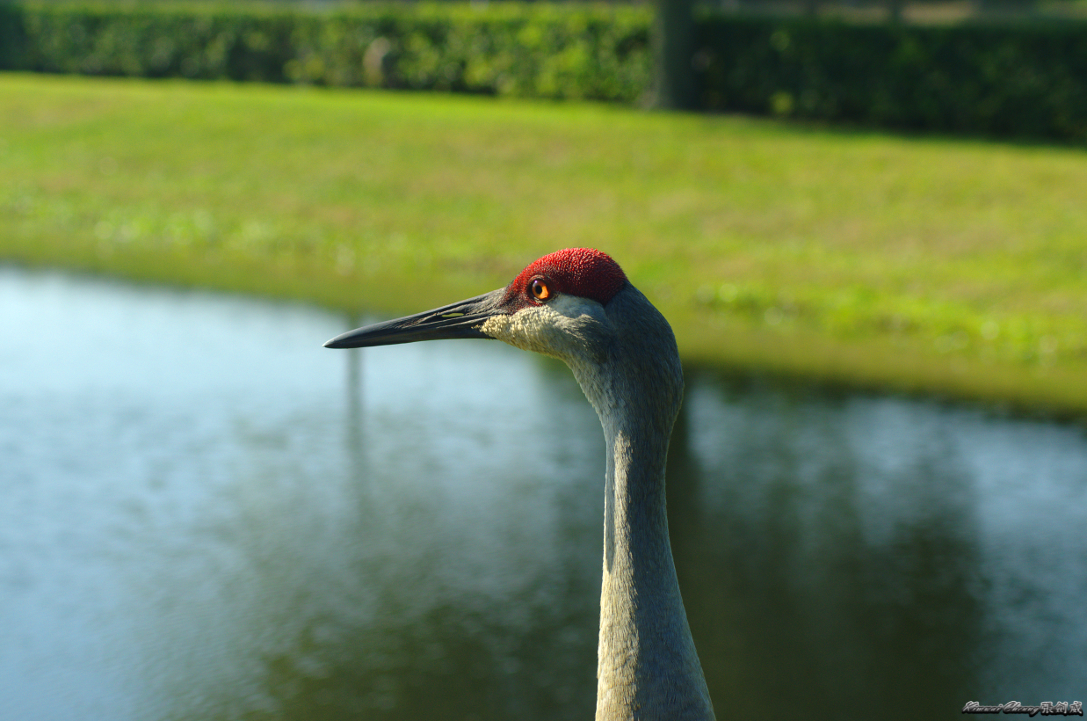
column 952, row 267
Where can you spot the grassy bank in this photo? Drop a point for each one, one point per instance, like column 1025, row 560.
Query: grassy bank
column 950, row 267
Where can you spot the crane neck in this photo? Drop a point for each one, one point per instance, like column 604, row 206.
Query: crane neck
column 647, row 666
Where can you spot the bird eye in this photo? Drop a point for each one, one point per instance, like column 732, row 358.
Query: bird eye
column 539, row 289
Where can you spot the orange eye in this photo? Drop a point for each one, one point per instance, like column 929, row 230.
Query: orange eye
column 539, row 289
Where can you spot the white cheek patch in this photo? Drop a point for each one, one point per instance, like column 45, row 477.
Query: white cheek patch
column 566, row 328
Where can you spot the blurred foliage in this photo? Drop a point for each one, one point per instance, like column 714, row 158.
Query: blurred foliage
column 1010, row 79
column 537, row 50
column 11, row 36
column 1023, row 79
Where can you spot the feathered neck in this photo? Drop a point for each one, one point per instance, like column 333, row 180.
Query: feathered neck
column 647, row 666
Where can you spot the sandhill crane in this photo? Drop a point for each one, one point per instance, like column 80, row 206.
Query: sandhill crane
column 577, row 305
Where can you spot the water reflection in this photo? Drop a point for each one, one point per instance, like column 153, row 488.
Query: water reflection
column 880, row 551
column 207, row 515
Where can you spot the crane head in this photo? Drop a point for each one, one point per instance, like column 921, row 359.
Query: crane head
column 555, row 306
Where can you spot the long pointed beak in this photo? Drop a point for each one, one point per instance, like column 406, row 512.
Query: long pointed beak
column 457, row 320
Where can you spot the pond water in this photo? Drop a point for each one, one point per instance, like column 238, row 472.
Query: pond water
column 205, row 514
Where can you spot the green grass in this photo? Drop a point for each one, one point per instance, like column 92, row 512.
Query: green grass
column 943, row 266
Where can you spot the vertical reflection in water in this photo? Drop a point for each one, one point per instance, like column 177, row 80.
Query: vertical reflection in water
column 354, row 445
column 422, row 605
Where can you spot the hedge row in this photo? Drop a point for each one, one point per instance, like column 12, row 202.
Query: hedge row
column 550, row 51
column 1012, row 80
column 1026, row 80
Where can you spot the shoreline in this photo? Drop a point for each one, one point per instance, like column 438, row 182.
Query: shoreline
column 922, row 266
column 802, row 358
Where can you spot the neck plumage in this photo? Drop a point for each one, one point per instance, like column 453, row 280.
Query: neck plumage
column 647, row 666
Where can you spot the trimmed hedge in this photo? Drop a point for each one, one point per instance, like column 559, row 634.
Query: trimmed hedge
column 550, row 51
column 1009, row 80
column 1027, row 80
column 11, row 36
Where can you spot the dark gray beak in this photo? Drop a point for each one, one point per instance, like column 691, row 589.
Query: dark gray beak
column 458, row 320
